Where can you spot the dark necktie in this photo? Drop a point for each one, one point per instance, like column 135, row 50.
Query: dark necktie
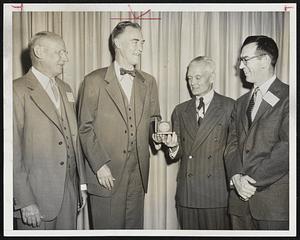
column 251, row 105
column 201, row 105
column 124, row 71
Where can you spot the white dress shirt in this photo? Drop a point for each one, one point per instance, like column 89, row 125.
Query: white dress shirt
column 126, row 81
column 45, row 82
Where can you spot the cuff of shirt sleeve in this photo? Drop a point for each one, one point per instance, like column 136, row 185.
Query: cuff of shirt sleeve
column 83, row 187
column 173, row 153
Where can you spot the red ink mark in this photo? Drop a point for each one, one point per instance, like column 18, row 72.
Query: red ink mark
column 140, row 17
column 19, row 6
column 286, row 8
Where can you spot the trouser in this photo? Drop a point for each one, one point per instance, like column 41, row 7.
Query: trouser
column 125, row 208
column 67, row 216
column 203, row 218
column 249, row 223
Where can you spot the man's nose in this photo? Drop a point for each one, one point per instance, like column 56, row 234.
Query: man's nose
column 241, row 64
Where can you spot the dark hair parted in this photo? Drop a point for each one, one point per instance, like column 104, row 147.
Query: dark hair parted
column 264, row 45
column 120, row 28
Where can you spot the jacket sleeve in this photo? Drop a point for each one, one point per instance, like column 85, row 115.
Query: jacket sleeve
column 23, row 195
column 87, row 111
column 233, row 161
column 176, row 129
column 271, row 169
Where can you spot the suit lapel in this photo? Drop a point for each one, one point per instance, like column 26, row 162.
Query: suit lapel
column 190, row 119
column 114, row 90
column 264, row 106
column 70, row 111
column 41, row 99
column 243, row 115
column 213, row 115
column 139, row 96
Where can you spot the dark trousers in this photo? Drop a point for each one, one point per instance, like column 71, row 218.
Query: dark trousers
column 203, row 218
column 67, row 216
column 249, row 223
column 125, row 208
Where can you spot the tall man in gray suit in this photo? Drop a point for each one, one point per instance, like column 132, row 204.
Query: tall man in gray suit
column 200, row 128
column 257, row 156
column 117, row 104
column 47, row 158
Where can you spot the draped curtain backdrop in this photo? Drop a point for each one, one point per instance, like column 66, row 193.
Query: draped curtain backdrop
column 171, row 43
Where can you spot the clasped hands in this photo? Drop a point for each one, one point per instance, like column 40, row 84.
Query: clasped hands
column 168, row 139
column 244, row 187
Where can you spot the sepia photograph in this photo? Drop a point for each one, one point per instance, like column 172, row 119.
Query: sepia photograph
column 149, row 119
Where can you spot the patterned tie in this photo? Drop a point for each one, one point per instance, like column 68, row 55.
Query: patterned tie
column 125, row 71
column 201, row 105
column 251, row 105
column 54, row 89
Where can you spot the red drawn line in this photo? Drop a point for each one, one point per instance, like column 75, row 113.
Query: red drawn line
column 123, row 18
column 18, row 6
column 286, row 8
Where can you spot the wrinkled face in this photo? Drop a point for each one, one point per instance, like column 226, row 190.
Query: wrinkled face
column 200, row 78
column 54, row 57
column 130, row 46
column 251, row 63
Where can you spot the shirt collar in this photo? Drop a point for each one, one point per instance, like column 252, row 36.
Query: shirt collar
column 43, row 79
column 117, row 70
column 266, row 85
column 207, row 97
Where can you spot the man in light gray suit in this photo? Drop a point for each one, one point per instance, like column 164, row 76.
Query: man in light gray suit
column 257, row 156
column 117, row 104
column 47, row 160
column 200, row 128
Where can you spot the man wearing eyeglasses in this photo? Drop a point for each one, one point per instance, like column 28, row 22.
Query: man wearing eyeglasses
column 47, row 158
column 200, row 128
column 257, row 154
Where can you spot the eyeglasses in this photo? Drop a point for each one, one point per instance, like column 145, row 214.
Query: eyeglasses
column 245, row 59
column 62, row 52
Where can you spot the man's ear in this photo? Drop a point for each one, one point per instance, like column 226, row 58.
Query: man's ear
column 266, row 61
column 38, row 51
column 212, row 77
column 117, row 43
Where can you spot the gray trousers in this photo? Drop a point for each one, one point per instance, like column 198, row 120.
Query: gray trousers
column 67, row 216
column 125, row 208
column 203, row 218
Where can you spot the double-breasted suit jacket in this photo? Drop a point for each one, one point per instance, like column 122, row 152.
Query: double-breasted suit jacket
column 262, row 152
column 201, row 181
column 39, row 147
column 104, row 128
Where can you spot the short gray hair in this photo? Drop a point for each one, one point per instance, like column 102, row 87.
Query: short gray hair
column 209, row 62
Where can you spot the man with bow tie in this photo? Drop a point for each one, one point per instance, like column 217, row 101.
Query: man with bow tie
column 116, row 107
column 200, row 128
column 257, row 155
column 47, row 160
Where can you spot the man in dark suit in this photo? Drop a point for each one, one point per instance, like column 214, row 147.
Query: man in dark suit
column 47, row 158
column 117, row 104
column 200, row 128
column 257, row 155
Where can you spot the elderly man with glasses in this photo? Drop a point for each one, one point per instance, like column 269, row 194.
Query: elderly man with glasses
column 257, row 154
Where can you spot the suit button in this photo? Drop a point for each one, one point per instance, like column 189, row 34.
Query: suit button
column 216, row 139
column 131, row 125
column 60, row 143
column 125, row 131
column 190, row 174
column 247, row 151
column 129, row 118
column 124, row 151
column 129, row 109
column 209, row 157
column 131, row 142
column 61, row 163
column 208, row 175
column 131, row 134
column 190, row 157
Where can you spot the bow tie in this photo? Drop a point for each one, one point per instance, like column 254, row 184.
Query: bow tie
column 125, row 71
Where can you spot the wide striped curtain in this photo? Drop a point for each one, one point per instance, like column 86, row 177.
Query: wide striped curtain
column 171, row 43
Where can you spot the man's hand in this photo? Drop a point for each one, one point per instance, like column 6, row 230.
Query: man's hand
column 170, row 140
column 105, row 178
column 243, row 186
column 31, row 215
column 84, row 198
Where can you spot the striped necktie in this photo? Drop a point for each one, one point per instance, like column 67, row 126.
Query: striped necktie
column 54, row 89
column 201, row 105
